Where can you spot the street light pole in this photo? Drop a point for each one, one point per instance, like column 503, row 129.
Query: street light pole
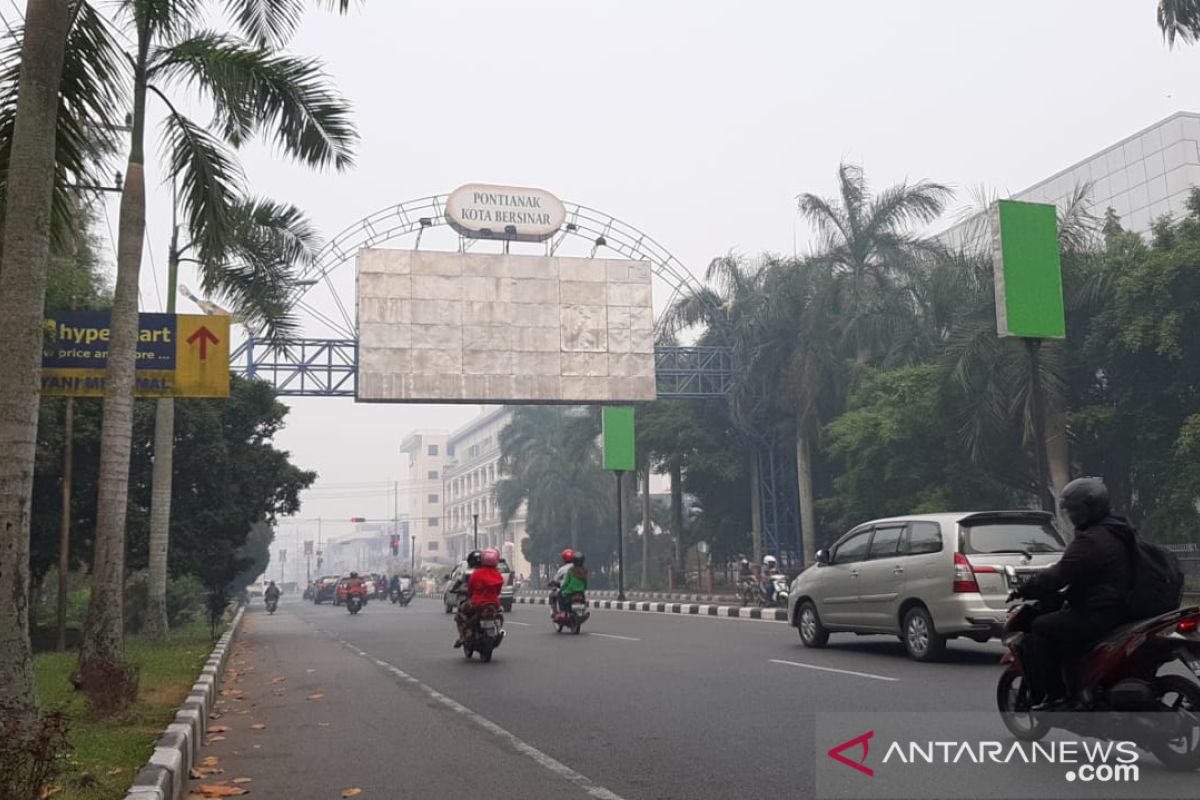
column 476, row 517
column 412, row 555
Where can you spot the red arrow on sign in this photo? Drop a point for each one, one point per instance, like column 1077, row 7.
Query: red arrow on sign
column 206, row 338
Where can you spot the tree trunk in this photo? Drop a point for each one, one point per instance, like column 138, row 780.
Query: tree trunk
column 647, row 526
column 808, row 516
column 677, row 513
column 23, row 272
column 160, row 517
column 103, row 634
column 756, row 520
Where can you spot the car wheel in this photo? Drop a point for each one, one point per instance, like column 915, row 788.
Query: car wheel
column 808, row 622
column 921, row 639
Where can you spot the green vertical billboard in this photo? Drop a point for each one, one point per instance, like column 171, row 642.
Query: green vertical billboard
column 618, row 438
column 1029, row 294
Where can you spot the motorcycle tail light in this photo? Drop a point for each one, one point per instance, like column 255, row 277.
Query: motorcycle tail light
column 1188, row 625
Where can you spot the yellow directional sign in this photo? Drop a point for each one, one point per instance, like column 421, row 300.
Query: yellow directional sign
column 178, row 355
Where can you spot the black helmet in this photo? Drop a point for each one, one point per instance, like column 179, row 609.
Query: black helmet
column 577, row 559
column 1085, row 502
column 353, row 574
column 474, row 559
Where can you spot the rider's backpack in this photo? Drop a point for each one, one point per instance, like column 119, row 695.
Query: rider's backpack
column 1156, row 583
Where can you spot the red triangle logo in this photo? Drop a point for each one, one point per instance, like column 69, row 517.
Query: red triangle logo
column 860, row 765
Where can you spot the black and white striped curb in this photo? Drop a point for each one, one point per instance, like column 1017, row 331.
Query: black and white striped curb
column 165, row 775
column 725, row 599
column 691, row 609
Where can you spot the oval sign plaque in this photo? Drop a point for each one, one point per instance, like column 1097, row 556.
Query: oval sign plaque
column 516, row 213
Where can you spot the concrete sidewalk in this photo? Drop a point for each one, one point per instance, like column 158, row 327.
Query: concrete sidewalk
column 302, row 716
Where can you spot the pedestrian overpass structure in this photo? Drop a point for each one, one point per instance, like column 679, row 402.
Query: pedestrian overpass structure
column 325, row 361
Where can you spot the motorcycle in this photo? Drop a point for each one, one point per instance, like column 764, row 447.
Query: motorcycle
column 1120, row 693
column 272, row 603
column 355, row 603
column 487, row 632
column 573, row 614
column 748, row 592
column 402, row 596
column 779, row 595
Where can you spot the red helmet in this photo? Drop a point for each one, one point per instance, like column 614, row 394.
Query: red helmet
column 490, row 557
column 568, row 555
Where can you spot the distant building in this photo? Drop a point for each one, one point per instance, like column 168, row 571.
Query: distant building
column 469, row 481
column 1142, row 177
column 428, row 453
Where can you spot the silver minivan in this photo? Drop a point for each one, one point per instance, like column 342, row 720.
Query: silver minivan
column 926, row 578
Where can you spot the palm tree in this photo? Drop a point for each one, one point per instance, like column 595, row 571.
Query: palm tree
column 265, row 239
column 731, row 308
column 855, row 300
column 253, row 89
column 29, row 185
column 550, row 460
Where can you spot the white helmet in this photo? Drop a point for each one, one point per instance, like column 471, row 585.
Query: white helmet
column 769, row 561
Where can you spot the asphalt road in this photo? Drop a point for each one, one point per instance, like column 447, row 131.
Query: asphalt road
column 641, row 705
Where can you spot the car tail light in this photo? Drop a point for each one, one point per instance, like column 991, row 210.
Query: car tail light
column 964, row 576
column 1188, row 625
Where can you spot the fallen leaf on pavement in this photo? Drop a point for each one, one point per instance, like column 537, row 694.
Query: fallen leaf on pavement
column 258, row 726
column 279, row 679
column 218, row 729
column 242, row 780
column 215, row 739
column 231, row 692
column 352, row 793
column 220, row 790
column 199, row 773
column 316, row 696
column 210, row 761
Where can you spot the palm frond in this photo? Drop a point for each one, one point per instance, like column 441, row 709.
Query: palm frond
column 209, row 181
column 266, row 23
column 1179, row 18
column 257, row 91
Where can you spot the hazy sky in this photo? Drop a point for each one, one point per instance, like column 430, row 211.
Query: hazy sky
column 696, row 121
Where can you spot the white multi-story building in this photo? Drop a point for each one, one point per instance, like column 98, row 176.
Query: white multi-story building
column 428, row 453
column 1142, row 178
column 469, row 480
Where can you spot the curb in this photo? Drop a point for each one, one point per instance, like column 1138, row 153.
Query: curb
column 165, row 775
column 682, row 598
column 690, row 609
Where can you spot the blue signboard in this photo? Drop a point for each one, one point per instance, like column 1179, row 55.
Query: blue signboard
column 79, row 340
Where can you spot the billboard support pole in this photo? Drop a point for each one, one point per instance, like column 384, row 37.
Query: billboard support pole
column 620, row 540
column 1034, row 346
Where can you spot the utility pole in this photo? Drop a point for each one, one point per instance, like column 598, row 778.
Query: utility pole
column 476, row 517
column 395, row 514
column 64, row 535
column 620, row 539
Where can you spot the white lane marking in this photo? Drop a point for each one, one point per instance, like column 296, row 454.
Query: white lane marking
column 514, row 622
column 550, row 763
column 870, row 675
column 614, row 636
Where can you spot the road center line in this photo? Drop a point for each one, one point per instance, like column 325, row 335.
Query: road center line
column 520, row 745
column 614, row 636
column 870, row 675
column 514, row 622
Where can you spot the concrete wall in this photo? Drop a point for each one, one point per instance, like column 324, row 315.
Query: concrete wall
column 462, row 327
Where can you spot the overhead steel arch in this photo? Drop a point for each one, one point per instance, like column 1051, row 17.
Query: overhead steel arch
column 413, row 217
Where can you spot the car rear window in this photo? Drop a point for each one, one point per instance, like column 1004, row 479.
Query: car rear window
column 1014, row 536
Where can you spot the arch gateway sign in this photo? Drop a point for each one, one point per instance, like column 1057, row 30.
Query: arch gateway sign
column 515, row 213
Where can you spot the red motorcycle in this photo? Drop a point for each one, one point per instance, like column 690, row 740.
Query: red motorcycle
column 1119, row 692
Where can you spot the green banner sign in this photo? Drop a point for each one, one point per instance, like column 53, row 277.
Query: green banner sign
column 1029, row 294
column 618, row 438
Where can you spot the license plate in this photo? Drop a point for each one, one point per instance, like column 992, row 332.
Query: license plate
column 579, row 608
column 1018, row 579
column 488, row 627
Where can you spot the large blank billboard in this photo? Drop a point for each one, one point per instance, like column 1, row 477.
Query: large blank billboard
column 461, row 327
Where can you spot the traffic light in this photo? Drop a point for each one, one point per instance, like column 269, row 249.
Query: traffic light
column 395, row 545
column 358, row 519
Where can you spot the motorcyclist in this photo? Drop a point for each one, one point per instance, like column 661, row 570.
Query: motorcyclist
column 770, row 569
column 460, row 584
column 483, row 589
column 394, row 585
column 568, row 557
column 574, row 581
column 1095, row 572
column 272, row 592
column 355, row 586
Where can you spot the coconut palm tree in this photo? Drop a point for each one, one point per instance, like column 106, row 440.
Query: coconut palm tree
column 253, row 90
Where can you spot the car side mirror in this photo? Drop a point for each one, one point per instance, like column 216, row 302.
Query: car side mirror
column 822, row 558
